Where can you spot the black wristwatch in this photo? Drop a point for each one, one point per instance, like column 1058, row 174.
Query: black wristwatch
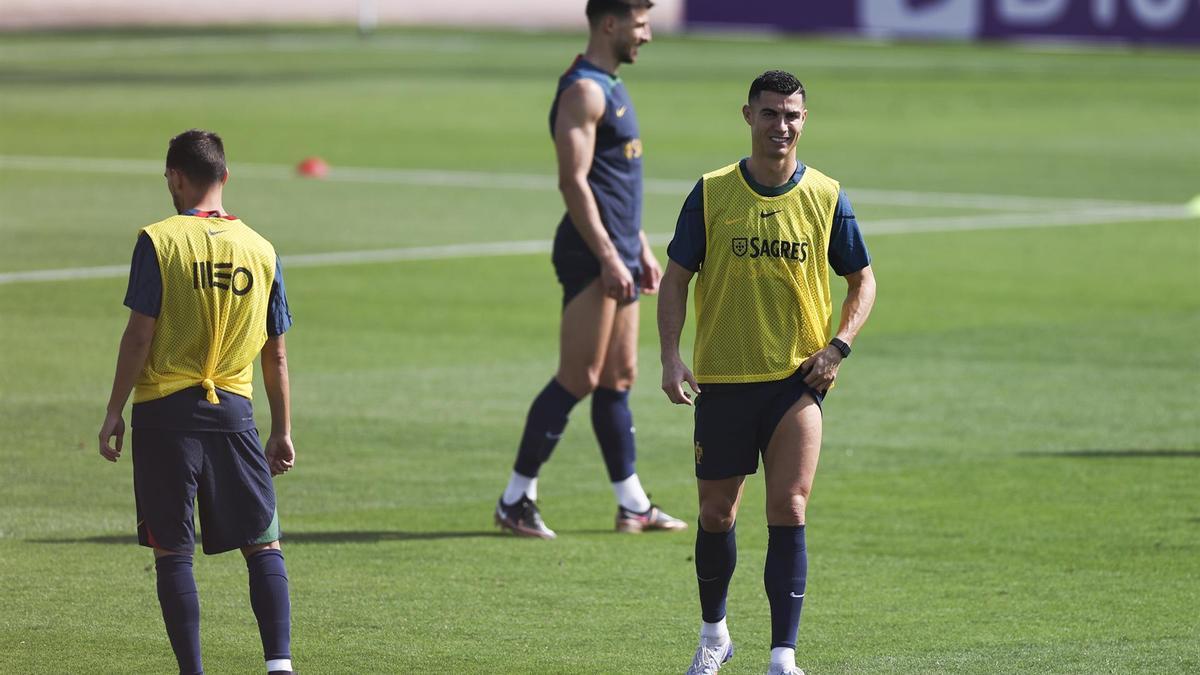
column 841, row 347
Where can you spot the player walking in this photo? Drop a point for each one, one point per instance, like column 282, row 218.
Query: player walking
column 602, row 260
column 206, row 296
column 759, row 236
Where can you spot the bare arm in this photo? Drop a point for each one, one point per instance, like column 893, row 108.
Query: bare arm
column 131, row 357
column 672, row 311
column 821, row 368
column 651, row 271
column 281, row 455
column 579, row 111
column 860, row 298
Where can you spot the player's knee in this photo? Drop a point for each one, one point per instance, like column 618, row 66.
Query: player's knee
column 787, row 510
column 580, row 382
column 716, row 517
column 620, row 378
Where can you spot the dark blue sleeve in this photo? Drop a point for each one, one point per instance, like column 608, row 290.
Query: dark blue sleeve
column 687, row 246
column 279, row 318
column 847, row 250
column 144, row 293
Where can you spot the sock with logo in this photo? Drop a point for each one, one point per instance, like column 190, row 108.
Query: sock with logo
column 716, row 558
column 180, row 602
column 543, row 427
column 612, row 420
column 272, row 608
column 785, row 576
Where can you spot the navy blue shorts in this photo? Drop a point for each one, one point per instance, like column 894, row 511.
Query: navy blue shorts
column 226, row 473
column 576, row 269
column 735, row 422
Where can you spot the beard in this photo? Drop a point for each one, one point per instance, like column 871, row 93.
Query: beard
column 625, row 52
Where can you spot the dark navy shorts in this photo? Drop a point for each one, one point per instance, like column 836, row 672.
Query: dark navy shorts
column 576, row 269
column 735, row 422
column 225, row 473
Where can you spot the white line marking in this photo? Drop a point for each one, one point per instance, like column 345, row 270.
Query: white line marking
column 505, row 248
column 521, row 181
column 1006, row 221
column 1049, row 212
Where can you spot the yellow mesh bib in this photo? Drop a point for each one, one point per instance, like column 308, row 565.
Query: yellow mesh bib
column 216, row 283
column 762, row 293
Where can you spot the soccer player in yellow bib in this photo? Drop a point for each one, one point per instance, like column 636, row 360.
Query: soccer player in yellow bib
column 206, row 297
column 760, row 237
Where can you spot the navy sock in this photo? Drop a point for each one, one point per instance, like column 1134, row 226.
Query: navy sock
column 269, row 598
column 180, row 604
column 543, row 427
column 612, row 421
column 716, row 557
column 784, row 576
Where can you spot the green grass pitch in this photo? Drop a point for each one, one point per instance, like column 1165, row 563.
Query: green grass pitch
column 1010, row 479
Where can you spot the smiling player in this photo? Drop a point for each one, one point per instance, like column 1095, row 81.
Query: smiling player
column 760, row 236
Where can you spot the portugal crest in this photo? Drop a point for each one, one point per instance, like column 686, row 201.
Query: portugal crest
column 739, row 246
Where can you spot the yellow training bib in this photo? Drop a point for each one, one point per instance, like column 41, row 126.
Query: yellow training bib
column 762, row 293
column 216, row 283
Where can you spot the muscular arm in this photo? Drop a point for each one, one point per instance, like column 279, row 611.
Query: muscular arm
column 280, row 452
column 580, row 108
column 821, row 368
column 672, row 311
column 131, row 357
column 860, row 298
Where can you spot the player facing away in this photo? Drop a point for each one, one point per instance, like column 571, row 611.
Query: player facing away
column 206, row 296
column 760, row 236
column 602, row 260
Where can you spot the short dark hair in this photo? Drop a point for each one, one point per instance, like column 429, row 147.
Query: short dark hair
column 199, row 155
column 598, row 9
column 778, row 81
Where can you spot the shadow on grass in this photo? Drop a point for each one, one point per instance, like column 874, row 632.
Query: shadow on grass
column 342, row 537
column 1114, row 454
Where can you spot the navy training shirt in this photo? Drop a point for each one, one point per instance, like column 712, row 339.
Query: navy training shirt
column 847, row 250
column 189, row 409
column 615, row 176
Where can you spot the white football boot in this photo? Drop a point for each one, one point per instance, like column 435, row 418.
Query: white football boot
column 711, row 655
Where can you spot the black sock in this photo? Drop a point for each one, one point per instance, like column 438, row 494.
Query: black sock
column 612, row 420
column 716, row 558
column 180, row 604
column 543, row 427
column 784, row 576
column 269, row 598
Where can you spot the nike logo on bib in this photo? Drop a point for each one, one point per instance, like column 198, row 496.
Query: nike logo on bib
column 213, row 233
column 768, row 214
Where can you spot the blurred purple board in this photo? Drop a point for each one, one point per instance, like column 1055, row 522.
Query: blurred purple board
column 1148, row 21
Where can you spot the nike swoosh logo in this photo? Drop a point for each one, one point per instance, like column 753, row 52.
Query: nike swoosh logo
column 621, row 111
column 553, row 437
column 796, row 596
column 768, row 214
column 213, row 233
